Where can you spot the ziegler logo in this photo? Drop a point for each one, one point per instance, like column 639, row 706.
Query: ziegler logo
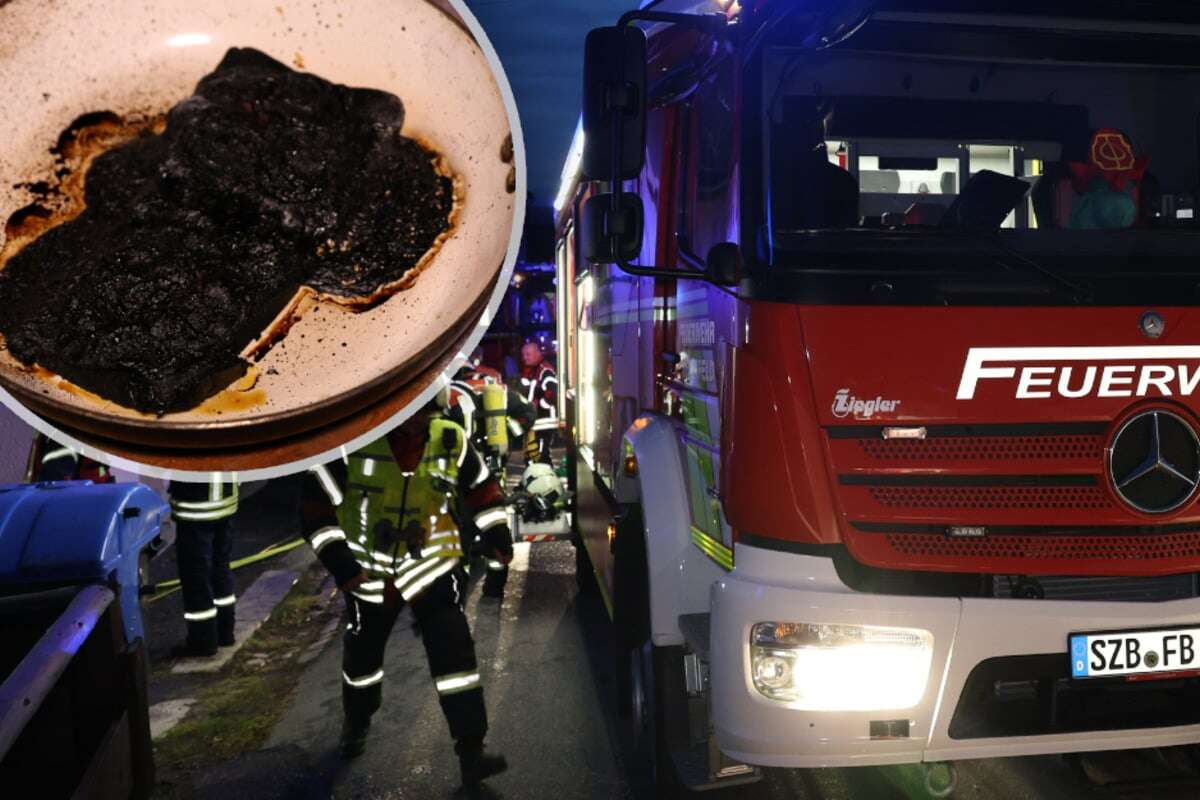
column 845, row 404
column 1074, row 372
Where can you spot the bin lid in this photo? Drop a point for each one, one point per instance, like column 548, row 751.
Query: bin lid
column 73, row 530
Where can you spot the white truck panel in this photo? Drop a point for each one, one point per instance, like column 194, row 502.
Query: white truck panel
column 680, row 574
column 768, row 585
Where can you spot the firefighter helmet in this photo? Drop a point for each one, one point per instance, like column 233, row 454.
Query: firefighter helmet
column 540, row 481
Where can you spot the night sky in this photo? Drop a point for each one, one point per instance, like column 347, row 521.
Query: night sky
column 541, row 45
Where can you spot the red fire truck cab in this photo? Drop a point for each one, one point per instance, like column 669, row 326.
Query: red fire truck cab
column 881, row 361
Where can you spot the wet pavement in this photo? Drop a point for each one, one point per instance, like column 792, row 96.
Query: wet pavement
column 543, row 695
column 546, row 665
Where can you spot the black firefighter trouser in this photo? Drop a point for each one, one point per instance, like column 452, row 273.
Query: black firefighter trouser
column 448, row 646
column 206, row 581
column 496, row 576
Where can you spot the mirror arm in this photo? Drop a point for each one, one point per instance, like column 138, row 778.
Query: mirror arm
column 714, row 23
column 683, row 248
column 662, row 272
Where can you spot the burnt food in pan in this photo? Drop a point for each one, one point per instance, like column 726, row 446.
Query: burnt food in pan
column 192, row 242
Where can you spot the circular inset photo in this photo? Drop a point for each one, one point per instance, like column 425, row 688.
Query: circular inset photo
column 239, row 236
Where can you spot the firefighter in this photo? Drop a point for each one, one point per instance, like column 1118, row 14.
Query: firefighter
column 493, row 416
column 384, row 526
column 541, row 391
column 203, row 514
column 503, row 415
column 55, row 462
column 480, row 372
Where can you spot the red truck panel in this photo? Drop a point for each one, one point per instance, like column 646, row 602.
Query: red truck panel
column 1015, row 448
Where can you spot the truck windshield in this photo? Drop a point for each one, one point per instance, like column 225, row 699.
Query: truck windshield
column 947, row 159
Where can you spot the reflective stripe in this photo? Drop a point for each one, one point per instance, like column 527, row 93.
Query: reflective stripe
column 385, row 558
column 411, row 575
column 328, row 484
column 376, row 599
column 206, row 516
column 200, row 616
column 206, row 505
column 545, row 424
column 359, row 683
column 227, row 600
column 406, row 563
column 515, row 427
column 466, row 445
column 368, row 470
column 490, row 518
column 325, row 536
column 371, row 586
column 445, row 551
column 419, row 586
column 495, row 566
column 459, row 682
column 484, row 474
column 61, row 452
column 355, row 546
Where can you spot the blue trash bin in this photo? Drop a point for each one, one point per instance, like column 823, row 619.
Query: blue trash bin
column 77, row 532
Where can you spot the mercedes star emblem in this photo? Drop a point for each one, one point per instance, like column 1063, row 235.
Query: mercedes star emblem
column 1152, row 324
column 1154, row 461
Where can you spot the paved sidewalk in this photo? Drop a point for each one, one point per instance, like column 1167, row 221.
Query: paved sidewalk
column 253, row 608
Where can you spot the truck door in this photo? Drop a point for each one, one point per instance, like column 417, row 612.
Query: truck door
column 706, row 317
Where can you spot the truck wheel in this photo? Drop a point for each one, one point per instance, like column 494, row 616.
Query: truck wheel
column 585, row 576
column 644, row 671
column 655, row 711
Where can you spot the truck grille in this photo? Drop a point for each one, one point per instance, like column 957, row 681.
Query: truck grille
column 1070, row 587
column 983, row 448
column 1034, row 496
column 1033, row 695
column 965, row 497
column 1048, row 546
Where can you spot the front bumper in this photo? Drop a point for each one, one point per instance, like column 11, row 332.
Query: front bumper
column 767, row 585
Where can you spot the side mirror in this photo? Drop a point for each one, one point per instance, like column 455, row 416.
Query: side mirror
column 723, row 265
column 610, row 235
column 614, row 103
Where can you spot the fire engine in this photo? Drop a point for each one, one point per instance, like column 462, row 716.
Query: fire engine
column 881, row 372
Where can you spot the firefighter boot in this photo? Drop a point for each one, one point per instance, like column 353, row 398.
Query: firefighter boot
column 225, row 624
column 201, row 640
column 354, row 737
column 494, row 580
column 477, row 764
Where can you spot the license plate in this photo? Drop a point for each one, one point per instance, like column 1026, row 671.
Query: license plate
column 1105, row 655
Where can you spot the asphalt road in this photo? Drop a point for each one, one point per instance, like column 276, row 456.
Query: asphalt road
column 550, row 695
column 545, row 691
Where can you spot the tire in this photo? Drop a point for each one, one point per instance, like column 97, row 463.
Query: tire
column 585, row 576
column 649, row 681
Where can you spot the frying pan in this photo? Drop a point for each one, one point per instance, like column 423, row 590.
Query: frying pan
column 61, row 60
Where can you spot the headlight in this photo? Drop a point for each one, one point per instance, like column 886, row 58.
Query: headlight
column 840, row 667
